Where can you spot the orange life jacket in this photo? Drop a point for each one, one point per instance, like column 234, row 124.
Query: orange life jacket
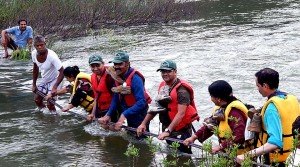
column 130, row 99
column 191, row 111
column 100, row 89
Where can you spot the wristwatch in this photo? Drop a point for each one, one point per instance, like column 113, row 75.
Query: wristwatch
column 167, row 130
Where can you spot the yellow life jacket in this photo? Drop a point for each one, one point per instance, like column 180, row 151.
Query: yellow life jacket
column 224, row 128
column 88, row 102
column 288, row 109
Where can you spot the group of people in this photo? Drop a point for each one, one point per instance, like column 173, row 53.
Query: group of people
column 113, row 95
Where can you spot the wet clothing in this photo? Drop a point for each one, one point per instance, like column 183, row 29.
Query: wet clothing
column 20, row 38
column 136, row 113
column 47, row 87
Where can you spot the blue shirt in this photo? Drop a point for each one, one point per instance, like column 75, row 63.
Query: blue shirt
column 272, row 123
column 20, row 37
column 136, row 113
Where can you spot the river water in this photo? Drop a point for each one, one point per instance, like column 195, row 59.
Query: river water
column 229, row 40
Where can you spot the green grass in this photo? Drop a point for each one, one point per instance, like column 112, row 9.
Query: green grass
column 21, row 54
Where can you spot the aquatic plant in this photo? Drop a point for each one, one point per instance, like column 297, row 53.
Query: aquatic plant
column 132, row 152
column 153, row 148
column 173, row 160
column 20, row 54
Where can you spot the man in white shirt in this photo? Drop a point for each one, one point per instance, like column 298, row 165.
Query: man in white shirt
column 46, row 61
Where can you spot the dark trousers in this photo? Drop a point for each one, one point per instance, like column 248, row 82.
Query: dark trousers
column 11, row 43
column 182, row 134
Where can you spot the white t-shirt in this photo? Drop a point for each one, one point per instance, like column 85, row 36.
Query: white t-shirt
column 49, row 68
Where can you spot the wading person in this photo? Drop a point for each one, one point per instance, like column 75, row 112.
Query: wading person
column 46, row 61
column 102, row 83
column 278, row 114
column 80, row 88
column 22, row 35
column 130, row 98
column 231, row 117
column 178, row 96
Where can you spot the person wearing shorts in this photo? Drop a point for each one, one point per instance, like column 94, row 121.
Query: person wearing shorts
column 46, row 61
column 22, row 37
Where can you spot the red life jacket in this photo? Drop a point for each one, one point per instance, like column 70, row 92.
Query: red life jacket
column 100, row 88
column 130, row 99
column 191, row 111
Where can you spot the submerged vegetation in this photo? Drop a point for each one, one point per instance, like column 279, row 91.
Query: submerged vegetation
column 205, row 157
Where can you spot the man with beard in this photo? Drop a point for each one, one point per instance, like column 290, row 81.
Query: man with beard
column 130, row 98
column 23, row 35
column 46, row 61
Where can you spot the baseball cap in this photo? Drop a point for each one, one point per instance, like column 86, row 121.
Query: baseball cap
column 95, row 59
column 120, row 57
column 167, row 65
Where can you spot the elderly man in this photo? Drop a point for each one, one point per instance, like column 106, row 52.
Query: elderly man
column 23, row 35
column 177, row 122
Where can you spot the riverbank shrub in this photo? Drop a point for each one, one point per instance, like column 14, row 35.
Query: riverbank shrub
column 72, row 18
column 63, row 19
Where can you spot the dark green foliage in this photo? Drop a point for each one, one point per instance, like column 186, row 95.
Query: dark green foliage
column 72, row 18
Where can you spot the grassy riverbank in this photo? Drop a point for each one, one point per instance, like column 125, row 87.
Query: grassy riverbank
column 71, row 18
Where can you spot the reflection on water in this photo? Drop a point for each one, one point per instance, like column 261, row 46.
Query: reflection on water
column 231, row 40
